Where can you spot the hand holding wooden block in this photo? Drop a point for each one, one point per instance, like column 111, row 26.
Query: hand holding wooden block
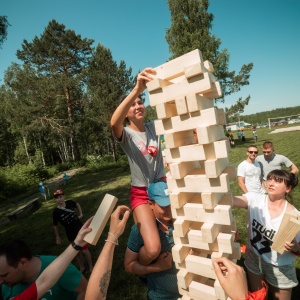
column 100, row 219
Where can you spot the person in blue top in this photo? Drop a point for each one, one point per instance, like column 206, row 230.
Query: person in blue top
column 161, row 275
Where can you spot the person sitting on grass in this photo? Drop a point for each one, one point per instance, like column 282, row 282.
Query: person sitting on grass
column 64, row 213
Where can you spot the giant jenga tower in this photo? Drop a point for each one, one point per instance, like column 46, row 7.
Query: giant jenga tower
column 197, row 153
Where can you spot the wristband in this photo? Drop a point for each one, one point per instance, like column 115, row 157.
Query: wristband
column 76, row 247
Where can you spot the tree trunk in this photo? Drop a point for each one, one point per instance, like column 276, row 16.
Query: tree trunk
column 26, row 149
column 113, row 147
column 74, row 143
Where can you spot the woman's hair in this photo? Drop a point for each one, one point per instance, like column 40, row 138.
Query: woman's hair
column 289, row 179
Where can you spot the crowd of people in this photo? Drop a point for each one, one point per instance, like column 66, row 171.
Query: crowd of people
column 266, row 190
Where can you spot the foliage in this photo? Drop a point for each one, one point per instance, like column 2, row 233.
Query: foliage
column 236, row 109
column 3, row 29
column 191, row 25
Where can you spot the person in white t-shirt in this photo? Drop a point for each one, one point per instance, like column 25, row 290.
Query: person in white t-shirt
column 265, row 213
column 250, row 173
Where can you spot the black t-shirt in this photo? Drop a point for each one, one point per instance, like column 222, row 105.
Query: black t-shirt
column 68, row 219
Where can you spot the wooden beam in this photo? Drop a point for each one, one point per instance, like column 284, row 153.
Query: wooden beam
column 100, row 219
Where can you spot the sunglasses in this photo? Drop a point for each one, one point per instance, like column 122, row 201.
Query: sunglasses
column 252, row 152
column 267, row 152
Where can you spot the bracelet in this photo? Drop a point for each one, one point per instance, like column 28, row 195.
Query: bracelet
column 76, row 247
column 113, row 236
column 116, row 243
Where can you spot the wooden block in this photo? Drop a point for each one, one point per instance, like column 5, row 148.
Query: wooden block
column 175, row 67
column 208, row 65
column 196, row 102
column 210, row 134
column 214, row 167
column 177, row 139
column 184, row 278
column 157, row 84
column 236, row 252
column 220, row 294
column 225, row 242
column 195, row 85
column 202, row 291
column 100, row 219
column 179, row 170
column 181, row 106
column 221, row 116
column 182, row 226
column 194, row 240
column 197, row 183
column 185, row 153
column 193, row 70
column 189, row 121
column 230, row 170
column 222, row 148
column 292, row 227
column 179, row 253
column 200, row 265
column 216, row 91
column 210, row 200
column 210, row 232
column 221, row 214
column 178, row 199
column 166, row 110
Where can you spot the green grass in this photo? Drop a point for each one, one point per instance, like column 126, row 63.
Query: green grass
column 89, row 187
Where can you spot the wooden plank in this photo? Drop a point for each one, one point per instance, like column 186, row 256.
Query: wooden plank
column 209, row 66
column 179, row 170
column 100, row 219
column 210, row 232
column 175, row 67
column 196, row 102
column 195, row 85
column 181, row 106
column 194, row 240
column 181, row 226
column 230, row 170
column 202, row 291
column 179, row 253
column 178, row 199
column 200, row 266
column 225, row 242
column 214, row 167
column 210, row 133
column 220, row 294
column 184, row 278
column 178, row 139
column 221, row 214
column 221, row 116
column 157, row 84
column 198, row 183
column 193, row 70
column 216, row 91
column 185, row 153
column 210, row 200
column 166, row 110
column 190, row 121
column 291, row 229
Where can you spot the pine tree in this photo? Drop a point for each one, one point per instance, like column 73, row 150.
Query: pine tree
column 191, row 25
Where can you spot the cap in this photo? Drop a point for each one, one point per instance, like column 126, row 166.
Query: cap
column 158, row 192
column 58, row 192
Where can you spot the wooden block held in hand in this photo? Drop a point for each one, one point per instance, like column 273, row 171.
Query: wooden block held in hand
column 100, row 219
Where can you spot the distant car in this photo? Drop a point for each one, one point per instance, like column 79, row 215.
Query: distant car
column 292, row 121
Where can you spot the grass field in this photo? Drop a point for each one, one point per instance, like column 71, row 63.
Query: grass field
column 89, row 187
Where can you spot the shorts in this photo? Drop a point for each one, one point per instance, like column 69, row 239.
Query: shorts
column 138, row 196
column 282, row 277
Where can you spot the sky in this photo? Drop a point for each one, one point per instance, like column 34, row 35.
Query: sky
column 264, row 32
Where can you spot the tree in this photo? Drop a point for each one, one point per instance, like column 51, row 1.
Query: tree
column 3, row 29
column 236, row 109
column 107, row 82
column 60, row 58
column 191, row 24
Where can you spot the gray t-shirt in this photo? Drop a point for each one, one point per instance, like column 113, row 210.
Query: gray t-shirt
column 275, row 163
column 144, row 167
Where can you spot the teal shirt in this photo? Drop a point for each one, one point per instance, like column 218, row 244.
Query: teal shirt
column 161, row 285
column 62, row 290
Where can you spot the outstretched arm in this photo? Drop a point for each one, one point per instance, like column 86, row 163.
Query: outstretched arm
column 294, row 169
column 53, row 272
column 120, row 113
column 100, row 277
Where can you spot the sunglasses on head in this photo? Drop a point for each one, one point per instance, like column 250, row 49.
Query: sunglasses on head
column 253, row 152
column 267, row 152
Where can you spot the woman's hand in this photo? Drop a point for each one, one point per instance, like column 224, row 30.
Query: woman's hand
column 143, row 77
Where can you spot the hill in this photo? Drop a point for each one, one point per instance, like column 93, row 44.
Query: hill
column 262, row 117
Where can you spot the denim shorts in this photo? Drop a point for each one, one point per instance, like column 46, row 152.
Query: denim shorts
column 282, row 277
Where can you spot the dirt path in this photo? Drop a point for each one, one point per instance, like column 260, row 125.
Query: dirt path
column 285, row 129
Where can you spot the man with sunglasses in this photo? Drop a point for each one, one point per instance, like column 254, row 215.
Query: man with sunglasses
column 250, row 173
column 271, row 161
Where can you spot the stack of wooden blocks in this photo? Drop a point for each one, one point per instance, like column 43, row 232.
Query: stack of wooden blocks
column 197, row 154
